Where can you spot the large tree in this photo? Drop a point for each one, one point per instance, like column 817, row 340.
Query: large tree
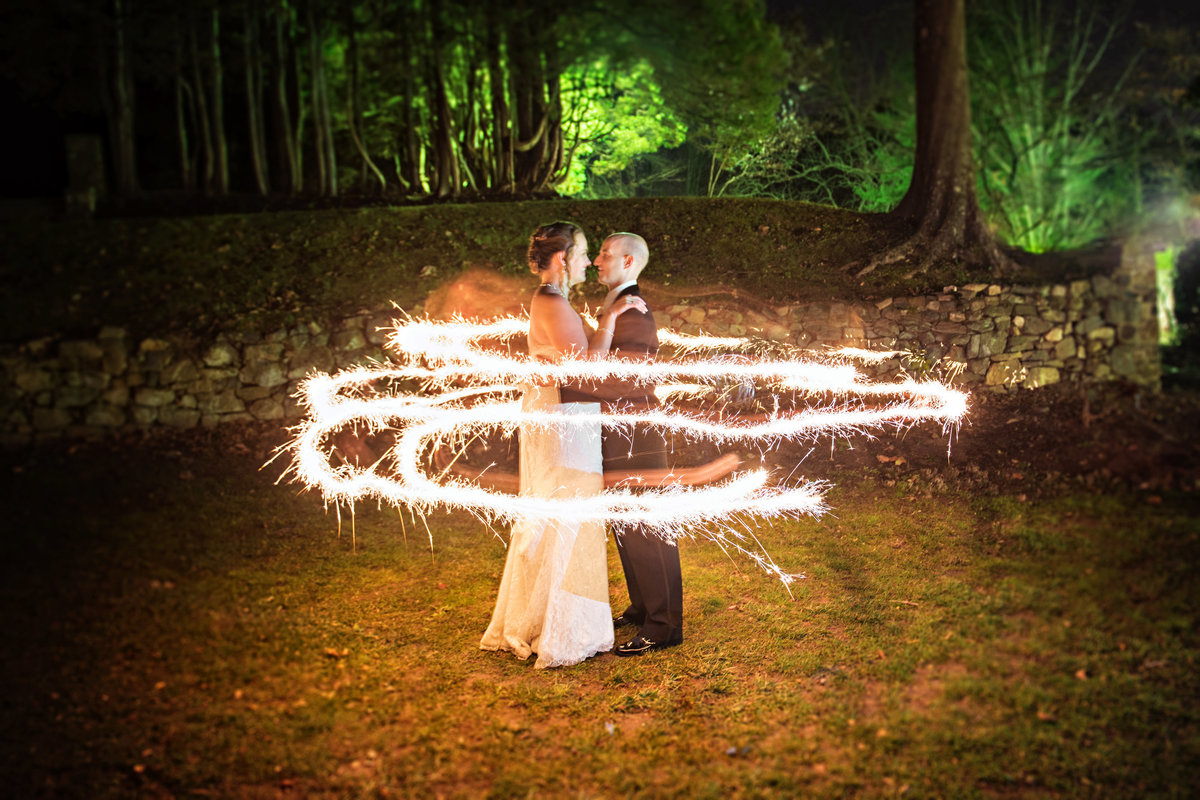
column 941, row 201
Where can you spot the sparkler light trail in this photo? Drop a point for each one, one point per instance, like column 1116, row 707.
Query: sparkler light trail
column 453, row 382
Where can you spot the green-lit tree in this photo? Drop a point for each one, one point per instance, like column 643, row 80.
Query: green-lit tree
column 1054, row 173
column 941, row 201
column 722, row 68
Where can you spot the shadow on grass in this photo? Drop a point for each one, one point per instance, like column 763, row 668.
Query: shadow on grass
column 178, row 625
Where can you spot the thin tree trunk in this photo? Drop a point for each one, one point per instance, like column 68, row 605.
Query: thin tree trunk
column 220, row 147
column 353, row 118
column 199, row 98
column 253, row 65
column 446, row 180
column 287, row 137
column 314, row 59
column 187, row 167
column 501, row 178
column 122, row 107
column 322, row 121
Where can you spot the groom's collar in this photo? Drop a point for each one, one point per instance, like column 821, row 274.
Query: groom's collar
column 614, row 293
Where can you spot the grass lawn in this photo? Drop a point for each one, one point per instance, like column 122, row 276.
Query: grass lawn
column 178, row 625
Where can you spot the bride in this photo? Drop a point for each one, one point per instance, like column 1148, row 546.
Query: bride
column 553, row 597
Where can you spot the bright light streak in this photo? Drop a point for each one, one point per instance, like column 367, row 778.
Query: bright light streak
column 458, row 380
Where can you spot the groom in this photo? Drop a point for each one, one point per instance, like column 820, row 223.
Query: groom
column 651, row 564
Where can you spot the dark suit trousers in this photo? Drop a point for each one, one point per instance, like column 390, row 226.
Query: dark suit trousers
column 651, row 565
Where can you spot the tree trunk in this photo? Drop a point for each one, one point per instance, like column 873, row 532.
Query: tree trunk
column 220, row 148
column 187, row 165
column 446, row 177
column 314, row 66
column 322, row 123
column 502, row 170
column 200, row 99
column 353, row 118
column 941, row 200
column 253, row 65
column 287, row 138
column 121, row 106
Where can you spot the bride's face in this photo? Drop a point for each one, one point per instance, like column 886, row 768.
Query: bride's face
column 578, row 262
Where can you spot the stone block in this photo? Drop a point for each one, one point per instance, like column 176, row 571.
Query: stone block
column 263, row 374
column 116, row 396
column 181, row 371
column 116, row 355
column 33, row 380
column 80, row 354
column 221, row 354
column 268, row 352
column 105, row 416
column 349, row 340
column 144, row 415
column 1003, row 373
column 75, row 396
column 1104, row 334
column 1103, row 286
column 266, row 408
column 1125, row 362
column 153, row 398
column 1126, row 310
column 226, row 402
column 1040, row 376
column 1036, row 326
column 947, row 328
column 154, row 354
column 992, row 343
column 1019, row 344
column 251, row 393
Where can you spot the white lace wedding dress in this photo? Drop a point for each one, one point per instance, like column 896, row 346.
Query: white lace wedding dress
column 553, row 597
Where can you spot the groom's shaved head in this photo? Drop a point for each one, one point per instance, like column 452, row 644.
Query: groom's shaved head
column 630, row 244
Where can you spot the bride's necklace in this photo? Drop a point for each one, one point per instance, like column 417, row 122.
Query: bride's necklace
column 552, row 288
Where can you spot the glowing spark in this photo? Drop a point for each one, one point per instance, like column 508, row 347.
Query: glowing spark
column 454, row 381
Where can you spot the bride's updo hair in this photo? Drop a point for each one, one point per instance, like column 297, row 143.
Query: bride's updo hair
column 546, row 241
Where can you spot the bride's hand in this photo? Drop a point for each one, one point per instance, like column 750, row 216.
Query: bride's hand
column 628, row 303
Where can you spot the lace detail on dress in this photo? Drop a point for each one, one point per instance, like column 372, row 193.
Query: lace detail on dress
column 553, row 597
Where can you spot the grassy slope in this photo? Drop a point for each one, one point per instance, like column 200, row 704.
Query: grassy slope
column 178, row 625
column 194, row 274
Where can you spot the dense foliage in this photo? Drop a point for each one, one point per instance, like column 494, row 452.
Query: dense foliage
column 403, row 99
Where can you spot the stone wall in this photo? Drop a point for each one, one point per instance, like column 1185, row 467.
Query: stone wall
column 993, row 337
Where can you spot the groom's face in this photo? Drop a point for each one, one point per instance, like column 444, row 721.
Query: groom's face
column 611, row 263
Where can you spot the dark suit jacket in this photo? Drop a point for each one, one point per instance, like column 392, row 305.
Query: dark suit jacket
column 635, row 337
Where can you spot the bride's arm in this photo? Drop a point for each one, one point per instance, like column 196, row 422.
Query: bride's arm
column 672, row 476
column 507, row 482
column 601, row 341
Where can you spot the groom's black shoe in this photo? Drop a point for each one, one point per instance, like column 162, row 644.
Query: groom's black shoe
column 640, row 644
column 625, row 622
